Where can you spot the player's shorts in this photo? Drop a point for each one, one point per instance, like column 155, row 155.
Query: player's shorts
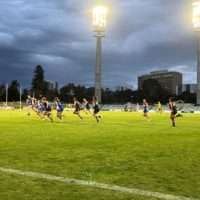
column 174, row 112
column 60, row 110
column 87, row 106
column 77, row 108
column 96, row 110
column 48, row 109
column 145, row 110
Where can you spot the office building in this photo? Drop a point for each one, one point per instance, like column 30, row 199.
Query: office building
column 171, row 81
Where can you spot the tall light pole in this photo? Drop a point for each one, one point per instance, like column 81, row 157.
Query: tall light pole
column 99, row 24
column 196, row 24
column 6, row 95
column 20, row 97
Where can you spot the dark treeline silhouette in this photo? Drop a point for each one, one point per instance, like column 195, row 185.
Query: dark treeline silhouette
column 2, row 92
column 151, row 90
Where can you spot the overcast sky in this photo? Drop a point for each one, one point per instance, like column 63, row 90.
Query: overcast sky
column 141, row 36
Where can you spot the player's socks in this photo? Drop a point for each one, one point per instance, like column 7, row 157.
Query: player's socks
column 50, row 118
column 96, row 117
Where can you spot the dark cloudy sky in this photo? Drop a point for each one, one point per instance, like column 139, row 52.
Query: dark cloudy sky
column 141, row 36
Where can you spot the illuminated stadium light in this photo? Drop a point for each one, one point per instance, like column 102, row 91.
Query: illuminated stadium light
column 99, row 25
column 196, row 15
column 99, row 18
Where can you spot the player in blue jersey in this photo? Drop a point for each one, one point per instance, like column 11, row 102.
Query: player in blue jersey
column 40, row 107
column 30, row 102
column 96, row 109
column 59, row 108
column 146, row 109
column 77, row 108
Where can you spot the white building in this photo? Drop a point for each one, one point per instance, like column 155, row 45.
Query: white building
column 52, row 85
column 124, row 87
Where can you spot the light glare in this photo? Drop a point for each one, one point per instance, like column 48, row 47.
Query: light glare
column 196, row 15
column 99, row 17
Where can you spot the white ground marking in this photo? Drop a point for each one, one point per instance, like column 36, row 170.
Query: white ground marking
column 95, row 185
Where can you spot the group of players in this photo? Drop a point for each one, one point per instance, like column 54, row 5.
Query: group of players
column 43, row 109
column 172, row 106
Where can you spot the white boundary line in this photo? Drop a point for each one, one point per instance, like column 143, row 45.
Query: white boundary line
column 95, row 185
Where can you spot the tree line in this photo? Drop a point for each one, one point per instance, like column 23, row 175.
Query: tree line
column 151, row 90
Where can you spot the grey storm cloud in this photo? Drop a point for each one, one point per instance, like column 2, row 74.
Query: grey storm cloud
column 141, row 36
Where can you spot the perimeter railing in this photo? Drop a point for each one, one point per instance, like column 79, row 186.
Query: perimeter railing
column 187, row 108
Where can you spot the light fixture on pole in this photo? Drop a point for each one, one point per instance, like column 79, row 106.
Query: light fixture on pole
column 196, row 25
column 99, row 25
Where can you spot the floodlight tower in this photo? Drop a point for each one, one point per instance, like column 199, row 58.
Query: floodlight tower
column 99, row 25
column 196, row 24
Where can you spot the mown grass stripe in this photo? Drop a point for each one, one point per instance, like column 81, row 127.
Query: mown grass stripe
column 95, row 185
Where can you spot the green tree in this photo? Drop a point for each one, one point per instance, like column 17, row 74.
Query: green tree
column 124, row 96
column 67, row 92
column 39, row 86
column 107, row 96
column 188, row 97
column 25, row 93
column 13, row 91
column 2, row 92
column 153, row 91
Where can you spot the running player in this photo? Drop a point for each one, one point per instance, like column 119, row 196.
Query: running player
column 96, row 109
column 173, row 108
column 87, row 106
column 30, row 102
column 47, row 111
column 146, row 111
column 137, row 107
column 77, row 108
column 59, row 108
column 159, row 107
column 41, row 108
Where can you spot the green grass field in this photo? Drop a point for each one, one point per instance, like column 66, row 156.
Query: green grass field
column 124, row 149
